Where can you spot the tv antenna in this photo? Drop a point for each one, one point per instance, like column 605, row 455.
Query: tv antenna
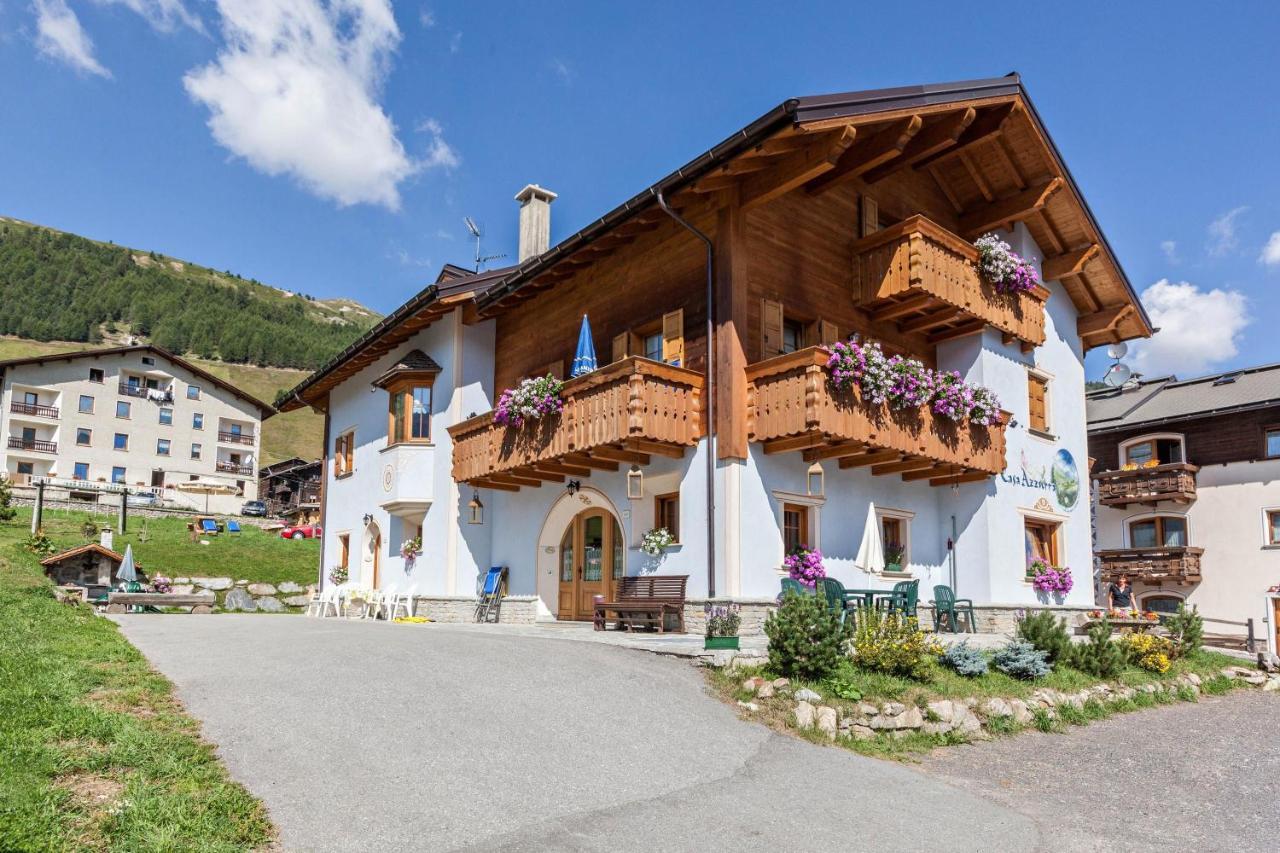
column 478, row 232
column 1118, row 373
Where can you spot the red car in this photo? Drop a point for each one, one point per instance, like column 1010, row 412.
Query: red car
column 302, row 531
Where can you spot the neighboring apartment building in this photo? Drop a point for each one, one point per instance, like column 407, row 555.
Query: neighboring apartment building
column 1187, row 494
column 828, row 217
column 137, row 416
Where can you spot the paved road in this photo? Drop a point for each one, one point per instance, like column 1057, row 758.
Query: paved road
column 361, row 736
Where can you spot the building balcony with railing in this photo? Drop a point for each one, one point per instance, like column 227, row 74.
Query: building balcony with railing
column 1148, row 485
column 923, row 278
column 33, row 410
column 240, row 469
column 792, row 405
column 618, row 414
column 1165, row 564
column 24, row 444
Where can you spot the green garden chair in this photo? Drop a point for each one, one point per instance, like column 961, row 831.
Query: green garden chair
column 903, row 599
column 793, row 585
column 834, row 591
column 946, row 604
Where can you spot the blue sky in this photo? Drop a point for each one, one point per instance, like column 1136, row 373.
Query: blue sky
column 160, row 124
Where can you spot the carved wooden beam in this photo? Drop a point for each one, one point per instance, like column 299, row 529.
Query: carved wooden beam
column 901, row 309
column 834, row 451
column 957, row 332
column 657, row 448
column 1069, row 263
column 561, row 468
column 795, row 442
column 934, row 318
column 868, row 154
column 619, row 455
column 797, row 169
column 939, row 136
column 971, row 477
column 590, row 461
column 935, row 470
column 987, row 125
column 913, row 464
column 485, row 483
column 871, row 458
column 993, row 214
column 1102, row 321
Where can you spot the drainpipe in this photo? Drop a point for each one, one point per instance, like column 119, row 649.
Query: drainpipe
column 711, row 396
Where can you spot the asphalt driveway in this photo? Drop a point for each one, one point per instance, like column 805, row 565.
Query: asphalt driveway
column 427, row 737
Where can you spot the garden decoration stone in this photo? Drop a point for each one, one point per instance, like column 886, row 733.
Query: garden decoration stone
column 267, row 604
column 213, row 583
column 804, row 713
column 242, row 582
column 781, row 682
column 996, row 707
column 262, row 589
column 290, row 586
column 239, row 599
column 183, row 589
column 804, row 694
column 1273, row 683
column 827, row 721
column 942, row 710
column 298, row 600
column 765, row 691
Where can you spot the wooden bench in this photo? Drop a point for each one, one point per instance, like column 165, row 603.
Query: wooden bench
column 119, row 602
column 645, row 601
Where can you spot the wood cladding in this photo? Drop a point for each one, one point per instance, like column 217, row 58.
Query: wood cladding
column 1173, row 482
column 1151, row 565
column 1210, row 440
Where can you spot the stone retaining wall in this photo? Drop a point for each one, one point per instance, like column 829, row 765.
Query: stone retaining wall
column 515, row 609
column 753, row 612
column 113, row 509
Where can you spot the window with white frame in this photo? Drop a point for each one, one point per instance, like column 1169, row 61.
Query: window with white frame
column 1039, row 411
column 1158, row 531
column 1271, row 531
column 1149, row 450
column 895, row 537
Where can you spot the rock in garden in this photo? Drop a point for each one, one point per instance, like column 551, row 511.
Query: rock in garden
column 212, row 583
column 183, row 589
column 827, row 721
column 1193, row 678
column 804, row 715
column 298, row 600
column 965, row 722
column 262, row 589
column 290, row 586
column 804, row 694
column 942, row 711
column 910, row 718
column 863, row 732
column 242, row 582
column 1021, row 713
column 893, row 709
column 267, row 604
column 751, row 685
column 750, row 706
column 938, row 728
column 1254, row 678
column 238, row 599
column 765, row 691
column 867, row 709
column 996, row 707
column 182, row 580
column 779, row 683
column 1272, row 684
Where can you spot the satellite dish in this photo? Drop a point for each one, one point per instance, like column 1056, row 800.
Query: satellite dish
column 1117, row 374
column 1118, row 350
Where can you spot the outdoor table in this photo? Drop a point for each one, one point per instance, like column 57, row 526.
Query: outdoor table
column 868, row 596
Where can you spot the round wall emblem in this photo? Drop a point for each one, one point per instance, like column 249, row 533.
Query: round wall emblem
column 388, row 478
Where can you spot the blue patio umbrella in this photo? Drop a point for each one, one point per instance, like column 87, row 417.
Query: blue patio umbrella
column 584, row 360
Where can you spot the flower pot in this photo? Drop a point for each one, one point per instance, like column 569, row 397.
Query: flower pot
column 893, row 567
column 720, row 642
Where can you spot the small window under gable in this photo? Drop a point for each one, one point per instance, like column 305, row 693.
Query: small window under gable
column 408, row 384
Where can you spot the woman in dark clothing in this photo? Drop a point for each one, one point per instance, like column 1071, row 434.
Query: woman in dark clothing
column 1120, row 595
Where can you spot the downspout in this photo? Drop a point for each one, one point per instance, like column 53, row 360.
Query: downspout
column 324, row 493
column 711, row 395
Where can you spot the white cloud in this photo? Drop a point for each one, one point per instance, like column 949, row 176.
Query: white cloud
column 439, row 153
column 59, row 36
column 163, row 15
column 1197, row 328
column 294, row 91
column 1271, row 252
column 1170, row 249
column 1222, row 232
column 427, row 18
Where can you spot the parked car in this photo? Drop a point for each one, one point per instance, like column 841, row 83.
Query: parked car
column 301, row 531
column 254, row 508
column 144, row 499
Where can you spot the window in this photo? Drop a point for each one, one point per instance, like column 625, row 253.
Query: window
column 30, row 398
column 343, row 453
column 197, row 420
column 82, row 471
column 344, row 549
column 1164, row 531
column 122, row 409
column 117, row 475
column 121, row 441
column 660, row 340
column 148, row 361
column 1037, row 403
column 96, row 374
column 666, row 513
column 1041, row 541
column 792, row 335
column 795, row 527
column 780, row 332
column 83, row 436
column 166, row 417
column 195, row 451
column 86, row 404
column 234, row 429
column 193, row 392
column 162, row 447
column 1273, row 527
column 409, row 413
column 157, row 479
column 26, row 468
column 1153, row 451
column 653, row 346
column 1272, row 442
column 1163, row 604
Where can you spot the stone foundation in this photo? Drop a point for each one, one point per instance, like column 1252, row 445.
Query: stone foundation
column 753, row 612
column 515, row 609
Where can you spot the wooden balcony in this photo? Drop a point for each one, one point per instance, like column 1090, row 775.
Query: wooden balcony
column 1180, row 564
column 619, row 414
column 792, row 405
column 33, row 445
column 233, row 468
column 33, row 409
column 925, row 279
column 235, row 437
column 1172, row 482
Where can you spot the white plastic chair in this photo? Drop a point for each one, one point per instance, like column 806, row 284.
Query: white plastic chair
column 398, row 598
column 372, row 603
column 323, row 601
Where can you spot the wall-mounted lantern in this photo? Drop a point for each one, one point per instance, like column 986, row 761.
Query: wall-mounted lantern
column 477, row 509
column 814, row 480
column 368, row 519
column 572, row 486
column 635, row 483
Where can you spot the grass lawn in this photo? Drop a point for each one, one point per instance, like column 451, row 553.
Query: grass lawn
column 252, row 555
column 95, row 753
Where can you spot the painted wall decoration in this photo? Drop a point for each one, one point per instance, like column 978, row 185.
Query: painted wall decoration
column 1066, row 479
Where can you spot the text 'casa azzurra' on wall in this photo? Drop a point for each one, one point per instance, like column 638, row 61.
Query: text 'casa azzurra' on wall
column 1061, row 476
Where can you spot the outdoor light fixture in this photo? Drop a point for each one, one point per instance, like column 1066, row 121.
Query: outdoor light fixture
column 368, row 519
column 814, row 479
column 477, row 508
column 635, row 483
column 573, row 486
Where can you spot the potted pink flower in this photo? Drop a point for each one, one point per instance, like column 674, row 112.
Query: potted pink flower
column 804, row 564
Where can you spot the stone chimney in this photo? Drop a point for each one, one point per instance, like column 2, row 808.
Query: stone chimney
column 535, row 220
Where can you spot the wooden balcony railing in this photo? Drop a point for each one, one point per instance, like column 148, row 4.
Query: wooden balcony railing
column 1171, row 482
column 792, row 405
column 922, row 277
column 1178, row 564
column 235, row 437
column 618, row 414
column 17, row 442
column 233, row 468
column 133, row 390
column 33, row 409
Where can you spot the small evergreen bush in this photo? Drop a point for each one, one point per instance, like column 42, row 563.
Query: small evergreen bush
column 1048, row 633
column 890, row 643
column 1186, row 630
column 7, row 509
column 966, row 660
column 806, row 637
column 1020, row 659
column 1100, row 657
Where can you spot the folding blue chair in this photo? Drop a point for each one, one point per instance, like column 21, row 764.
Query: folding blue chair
column 207, row 525
column 233, row 526
column 491, row 595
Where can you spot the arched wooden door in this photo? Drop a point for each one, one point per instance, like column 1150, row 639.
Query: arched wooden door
column 591, row 559
column 371, row 559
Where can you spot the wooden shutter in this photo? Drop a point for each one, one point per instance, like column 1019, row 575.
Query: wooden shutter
column 673, row 337
column 621, row 346
column 870, row 215
column 1037, row 389
column 828, row 332
column 770, row 328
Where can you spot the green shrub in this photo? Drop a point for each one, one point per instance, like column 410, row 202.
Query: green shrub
column 889, row 642
column 965, row 659
column 1186, row 630
column 1020, row 659
column 1048, row 633
column 1101, row 657
column 806, row 638
column 7, row 509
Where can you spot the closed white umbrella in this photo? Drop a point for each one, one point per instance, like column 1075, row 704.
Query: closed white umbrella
column 871, row 554
column 127, row 572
